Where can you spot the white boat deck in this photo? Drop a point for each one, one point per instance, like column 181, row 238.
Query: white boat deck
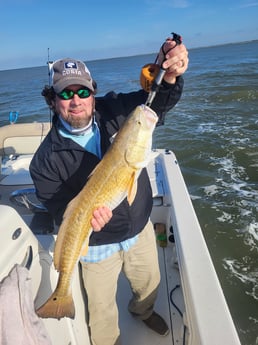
column 134, row 331
column 198, row 303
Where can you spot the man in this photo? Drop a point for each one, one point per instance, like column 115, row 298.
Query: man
column 122, row 240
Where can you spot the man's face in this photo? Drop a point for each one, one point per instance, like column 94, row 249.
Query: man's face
column 75, row 111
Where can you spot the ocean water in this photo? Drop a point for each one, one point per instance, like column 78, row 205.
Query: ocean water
column 213, row 131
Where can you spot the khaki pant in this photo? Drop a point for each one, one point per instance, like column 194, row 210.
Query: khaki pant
column 140, row 265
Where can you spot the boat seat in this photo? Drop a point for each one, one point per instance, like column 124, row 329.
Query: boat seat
column 22, row 138
column 18, row 143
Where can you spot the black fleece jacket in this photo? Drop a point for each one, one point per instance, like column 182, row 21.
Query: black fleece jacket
column 60, row 167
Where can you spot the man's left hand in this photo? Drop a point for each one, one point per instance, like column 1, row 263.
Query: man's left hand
column 176, row 60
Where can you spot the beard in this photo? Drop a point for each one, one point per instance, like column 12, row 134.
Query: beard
column 78, row 122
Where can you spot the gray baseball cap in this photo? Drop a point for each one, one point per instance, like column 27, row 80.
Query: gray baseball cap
column 69, row 71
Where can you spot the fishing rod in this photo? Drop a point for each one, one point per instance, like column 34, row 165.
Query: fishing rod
column 152, row 74
column 49, row 65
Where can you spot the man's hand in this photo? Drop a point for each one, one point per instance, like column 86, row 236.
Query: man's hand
column 176, row 60
column 101, row 216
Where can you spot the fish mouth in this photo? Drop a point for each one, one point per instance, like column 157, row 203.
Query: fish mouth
column 150, row 114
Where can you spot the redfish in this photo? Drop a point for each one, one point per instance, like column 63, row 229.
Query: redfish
column 113, row 179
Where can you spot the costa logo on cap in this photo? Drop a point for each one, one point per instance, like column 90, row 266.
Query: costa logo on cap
column 71, row 67
column 70, row 64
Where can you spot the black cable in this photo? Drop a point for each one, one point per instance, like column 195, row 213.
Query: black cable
column 177, row 308
column 171, row 299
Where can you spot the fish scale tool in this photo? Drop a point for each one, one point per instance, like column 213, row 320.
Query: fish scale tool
column 152, row 74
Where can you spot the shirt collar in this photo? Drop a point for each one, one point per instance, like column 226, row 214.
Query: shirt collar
column 77, row 131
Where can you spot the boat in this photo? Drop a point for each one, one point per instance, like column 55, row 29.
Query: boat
column 190, row 297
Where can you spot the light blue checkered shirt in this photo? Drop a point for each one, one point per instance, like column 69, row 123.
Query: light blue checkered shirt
column 98, row 253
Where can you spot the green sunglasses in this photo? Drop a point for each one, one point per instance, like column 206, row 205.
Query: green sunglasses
column 69, row 94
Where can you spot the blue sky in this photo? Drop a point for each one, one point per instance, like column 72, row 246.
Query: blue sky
column 100, row 29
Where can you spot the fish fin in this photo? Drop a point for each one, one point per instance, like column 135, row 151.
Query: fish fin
column 132, row 189
column 140, row 165
column 57, row 307
column 151, row 156
column 85, row 248
column 61, row 233
column 58, row 247
column 85, row 245
column 131, row 161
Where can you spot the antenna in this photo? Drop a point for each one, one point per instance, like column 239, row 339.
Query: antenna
column 49, row 64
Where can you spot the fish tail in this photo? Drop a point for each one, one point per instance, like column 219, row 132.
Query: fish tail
column 57, row 307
